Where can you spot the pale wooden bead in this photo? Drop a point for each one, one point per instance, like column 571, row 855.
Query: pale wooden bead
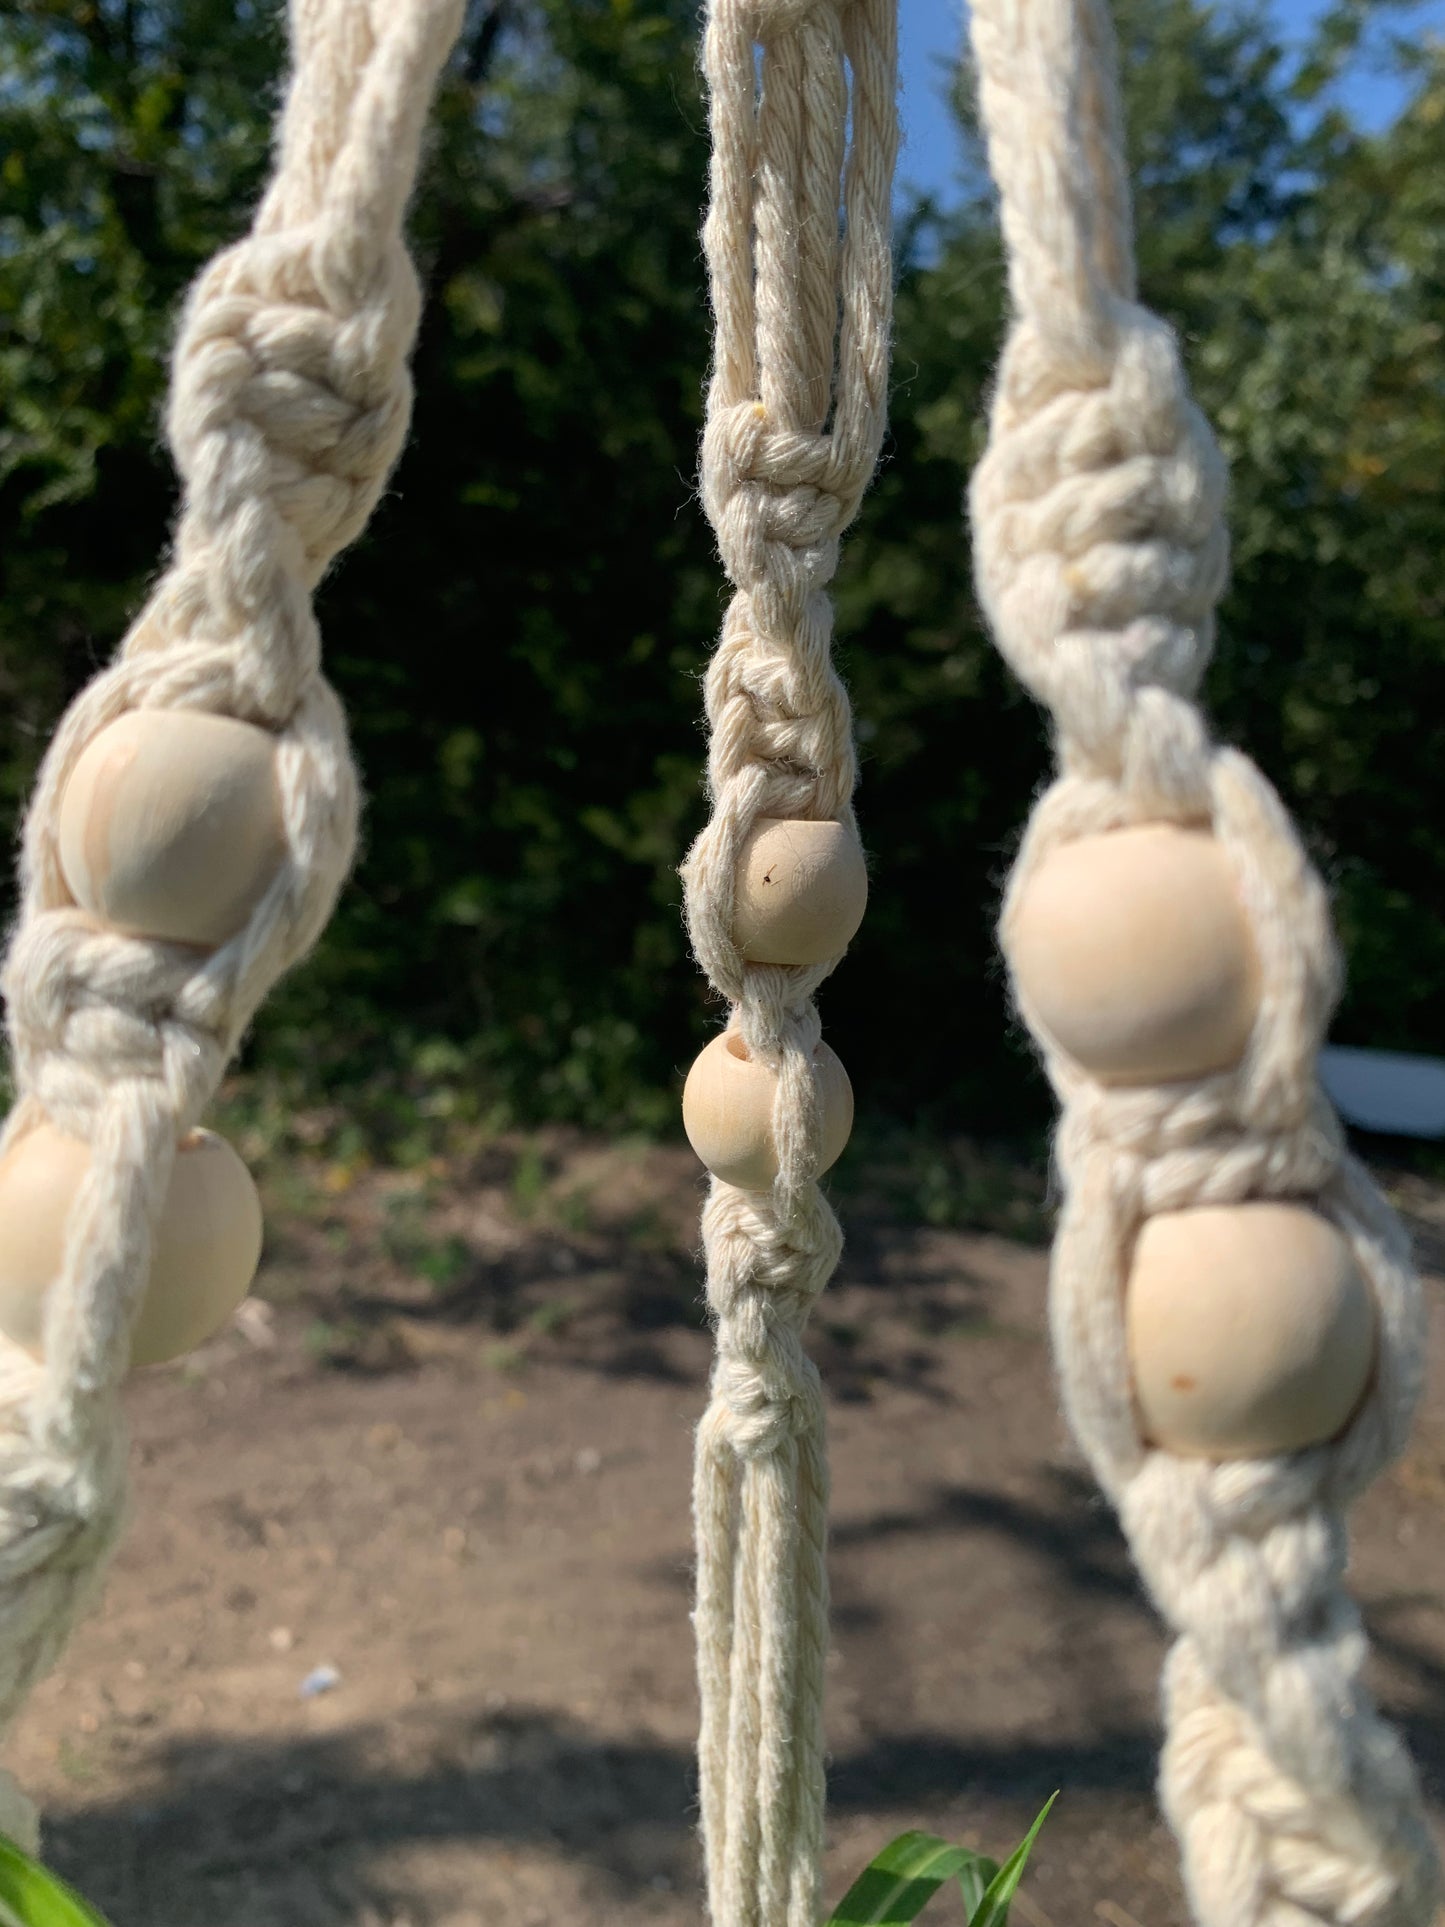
column 1250, row 1329
column 802, row 888
column 207, row 1247
column 170, row 825
column 727, row 1112
column 1133, row 951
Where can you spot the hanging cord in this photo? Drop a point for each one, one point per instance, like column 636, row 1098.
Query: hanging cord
column 289, row 404
column 1101, row 552
column 795, row 417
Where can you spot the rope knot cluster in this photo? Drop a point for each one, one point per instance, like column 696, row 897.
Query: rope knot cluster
column 766, row 485
column 82, row 998
column 765, row 1402
column 765, row 1270
column 305, row 362
column 289, row 402
column 1101, row 552
column 797, row 240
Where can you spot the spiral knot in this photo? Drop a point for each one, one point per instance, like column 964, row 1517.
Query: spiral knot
column 764, row 1271
column 1170, row 1147
column 1273, row 1745
column 765, row 1401
column 1261, row 1844
column 1100, row 538
column 89, row 1006
column 763, row 1276
column 278, row 397
column 782, row 711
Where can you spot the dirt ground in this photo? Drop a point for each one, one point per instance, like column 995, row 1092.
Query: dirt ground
column 448, row 1461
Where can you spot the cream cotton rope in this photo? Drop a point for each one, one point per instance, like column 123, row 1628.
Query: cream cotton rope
column 289, row 403
column 795, row 416
column 1101, row 552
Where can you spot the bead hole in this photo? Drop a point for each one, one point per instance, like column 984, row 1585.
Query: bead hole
column 738, row 1049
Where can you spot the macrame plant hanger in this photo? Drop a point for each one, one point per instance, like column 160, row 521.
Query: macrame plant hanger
column 803, row 120
column 1237, row 1327
column 196, row 813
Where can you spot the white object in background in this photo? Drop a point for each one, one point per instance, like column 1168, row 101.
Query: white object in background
column 321, row 1679
column 1386, row 1090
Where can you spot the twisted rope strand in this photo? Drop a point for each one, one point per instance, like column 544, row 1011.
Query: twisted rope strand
column 289, row 404
column 1101, row 552
column 795, row 416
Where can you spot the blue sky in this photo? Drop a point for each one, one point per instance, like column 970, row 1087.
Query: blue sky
column 931, row 31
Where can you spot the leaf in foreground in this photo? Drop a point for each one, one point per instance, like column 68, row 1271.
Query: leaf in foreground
column 900, row 1881
column 31, row 1897
column 974, row 1880
column 993, row 1909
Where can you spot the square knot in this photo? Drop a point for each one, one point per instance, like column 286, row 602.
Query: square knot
column 764, row 1402
column 1098, row 510
column 763, row 482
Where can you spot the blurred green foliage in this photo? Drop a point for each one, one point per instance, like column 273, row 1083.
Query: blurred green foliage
column 519, row 637
column 32, row 1896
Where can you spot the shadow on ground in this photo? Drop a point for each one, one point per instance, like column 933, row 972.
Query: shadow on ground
column 293, row 1834
column 304, row 1834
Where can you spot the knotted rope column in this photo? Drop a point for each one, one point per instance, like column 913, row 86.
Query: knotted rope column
column 795, row 415
column 1202, row 1166
column 289, row 403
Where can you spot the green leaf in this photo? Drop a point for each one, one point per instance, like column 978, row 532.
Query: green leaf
column 993, row 1909
column 31, row 1897
column 974, row 1882
column 899, row 1883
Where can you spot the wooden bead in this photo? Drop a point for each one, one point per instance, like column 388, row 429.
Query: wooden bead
column 170, row 825
column 207, row 1247
column 1250, row 1329
column 802, row 888
column 727, row 1112
column 1133, row 951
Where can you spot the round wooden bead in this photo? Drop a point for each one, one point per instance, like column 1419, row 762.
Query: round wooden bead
column 802, row 888
column 1250, row 1329
column 170, row 825
column 1133, row 951
column 207, row 1246
column 727, row 1112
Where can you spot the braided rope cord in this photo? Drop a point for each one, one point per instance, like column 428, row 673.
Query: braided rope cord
column 795, row 416
column 1101, row 552
column 289, row 403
